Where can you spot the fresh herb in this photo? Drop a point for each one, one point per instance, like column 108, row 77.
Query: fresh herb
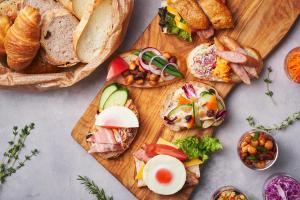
column 268, row 81
column 251, row 158
column 93, row 188
column 195, row 147
column 11, row 162
column 256, row 136
column 261, row 149
column 283, row 125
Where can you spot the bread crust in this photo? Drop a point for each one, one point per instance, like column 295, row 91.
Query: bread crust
column 192, row 13
column 48, row 17
column 218, row 13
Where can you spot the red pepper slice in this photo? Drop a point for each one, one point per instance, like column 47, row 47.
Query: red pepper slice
column 162, row 149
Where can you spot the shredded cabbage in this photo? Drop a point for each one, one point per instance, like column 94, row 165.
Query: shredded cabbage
column 282, row 187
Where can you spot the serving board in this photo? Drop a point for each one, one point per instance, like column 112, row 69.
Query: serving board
column 258, row 23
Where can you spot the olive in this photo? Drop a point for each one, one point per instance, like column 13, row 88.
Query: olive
column 210, row 113
column 188, row 118
column 173, row 59
column 140, row 75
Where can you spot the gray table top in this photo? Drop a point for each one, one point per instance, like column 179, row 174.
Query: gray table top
column 52, row 175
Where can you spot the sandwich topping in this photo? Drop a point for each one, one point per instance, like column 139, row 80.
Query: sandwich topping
column 116, row 123
column 194, row 106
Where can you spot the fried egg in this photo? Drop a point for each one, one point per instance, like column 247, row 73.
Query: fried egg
column 164, row 175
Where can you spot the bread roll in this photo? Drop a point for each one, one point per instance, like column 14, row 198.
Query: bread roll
column 5, row 23
column 22, row 41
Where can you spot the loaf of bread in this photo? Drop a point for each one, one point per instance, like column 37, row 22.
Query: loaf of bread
column 57, row 37
column 5, row 23
column 22, row 41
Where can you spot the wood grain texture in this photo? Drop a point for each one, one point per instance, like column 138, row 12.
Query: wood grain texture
column 258, row 23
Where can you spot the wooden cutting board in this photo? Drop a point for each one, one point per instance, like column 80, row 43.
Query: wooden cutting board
column 259, row 23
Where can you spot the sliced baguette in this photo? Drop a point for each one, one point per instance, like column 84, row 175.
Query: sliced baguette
column 57, row 37
column 95, row 29
column 80, row 7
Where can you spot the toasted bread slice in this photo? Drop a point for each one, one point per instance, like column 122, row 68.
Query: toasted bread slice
column 129, row 58
column 67, row 4
column 218, row 13
column 57, row 37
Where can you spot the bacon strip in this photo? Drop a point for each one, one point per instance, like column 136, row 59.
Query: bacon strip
column 103, row 136
column 103, row 148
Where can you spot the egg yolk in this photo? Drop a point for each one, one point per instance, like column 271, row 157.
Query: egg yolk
column 164, row 176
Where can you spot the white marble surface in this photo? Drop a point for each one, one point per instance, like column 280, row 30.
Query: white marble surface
column 52, row 175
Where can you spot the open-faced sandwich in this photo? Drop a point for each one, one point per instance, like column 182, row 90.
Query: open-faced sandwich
column 116, row 123
column 146, row 67
column 224, row 61
column 165, row 168
column 185, row 17
column 194, row 105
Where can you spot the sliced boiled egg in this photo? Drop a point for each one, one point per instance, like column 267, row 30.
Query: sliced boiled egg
column 164, row 174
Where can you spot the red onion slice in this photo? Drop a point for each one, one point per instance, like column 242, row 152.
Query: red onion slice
column 169, row 77
column 154, row 69
column 144, row 65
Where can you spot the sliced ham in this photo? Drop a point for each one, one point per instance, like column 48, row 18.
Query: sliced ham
column 250, row 67
column 103, row 148
column 241, row 72
column 141, row 155
column 103, row 136
column 206, row 34
column 233, row 45
column 232, row 56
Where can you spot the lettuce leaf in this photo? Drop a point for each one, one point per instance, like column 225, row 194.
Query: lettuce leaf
column 167, row 22
column 195, row 147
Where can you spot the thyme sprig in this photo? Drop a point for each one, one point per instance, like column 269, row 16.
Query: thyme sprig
column 93, row 188
column 268, row 81
column 283, row 125
column 11, row 161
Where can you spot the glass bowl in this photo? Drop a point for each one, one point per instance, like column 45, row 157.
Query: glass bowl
column 270, row 178
column 226, row 188
column 286, row 66
column 269, row 163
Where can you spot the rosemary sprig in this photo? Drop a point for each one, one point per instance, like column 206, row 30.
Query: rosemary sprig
column 283, row 125
column 11, row 162
column 93, row 188
column 268, row 81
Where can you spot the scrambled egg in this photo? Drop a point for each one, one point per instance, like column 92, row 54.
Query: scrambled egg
column 222, row 70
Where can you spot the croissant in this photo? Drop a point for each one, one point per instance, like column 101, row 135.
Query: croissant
column 5, row 23
column 22, row 41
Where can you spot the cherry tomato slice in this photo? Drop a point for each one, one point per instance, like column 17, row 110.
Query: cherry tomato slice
column 162, row 149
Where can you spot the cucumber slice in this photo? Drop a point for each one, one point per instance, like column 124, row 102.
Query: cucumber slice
column 206, row 96
column 106, row 93
column 198, row 121
column 181, row 108
column 220, row 105
column 118, row 98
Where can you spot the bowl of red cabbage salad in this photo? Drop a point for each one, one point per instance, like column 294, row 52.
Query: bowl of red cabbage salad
column 281, row 186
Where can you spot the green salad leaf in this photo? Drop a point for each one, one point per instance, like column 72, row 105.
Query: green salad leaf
column 167, row 22
column 196, row 147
